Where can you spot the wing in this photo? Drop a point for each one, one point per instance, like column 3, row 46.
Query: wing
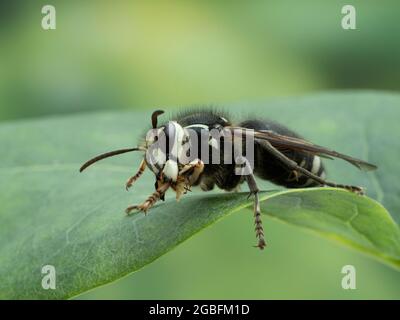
column 282, row 142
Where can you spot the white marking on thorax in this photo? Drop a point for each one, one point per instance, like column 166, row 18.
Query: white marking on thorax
column 198, row 125
column 213, row 143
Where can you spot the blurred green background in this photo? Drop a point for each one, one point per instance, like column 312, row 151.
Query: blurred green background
column 113, row 55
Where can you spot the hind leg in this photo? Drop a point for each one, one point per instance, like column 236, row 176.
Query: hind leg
column 293, row 166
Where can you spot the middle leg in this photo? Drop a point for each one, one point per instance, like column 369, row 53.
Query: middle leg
column 251, row 182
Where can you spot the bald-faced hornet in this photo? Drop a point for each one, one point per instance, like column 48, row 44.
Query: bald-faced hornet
column 203, row 148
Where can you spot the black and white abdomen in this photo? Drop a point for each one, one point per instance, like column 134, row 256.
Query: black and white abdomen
column 267, row 167
column 311, row 163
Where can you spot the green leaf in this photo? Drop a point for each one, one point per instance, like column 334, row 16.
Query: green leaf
column 52, row 215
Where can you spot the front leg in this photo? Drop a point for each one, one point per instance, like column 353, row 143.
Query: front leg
column 187, row 176
column 197, row 166
column 151, row 200
column 140, row 171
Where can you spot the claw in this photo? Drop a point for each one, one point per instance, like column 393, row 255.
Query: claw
column 129, row 210
column 261, row 244
column 357, row 190
column 150, row 200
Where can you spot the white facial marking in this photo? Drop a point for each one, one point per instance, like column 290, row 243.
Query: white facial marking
column 177, row 143
column 159, row 156
column 171, row 170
